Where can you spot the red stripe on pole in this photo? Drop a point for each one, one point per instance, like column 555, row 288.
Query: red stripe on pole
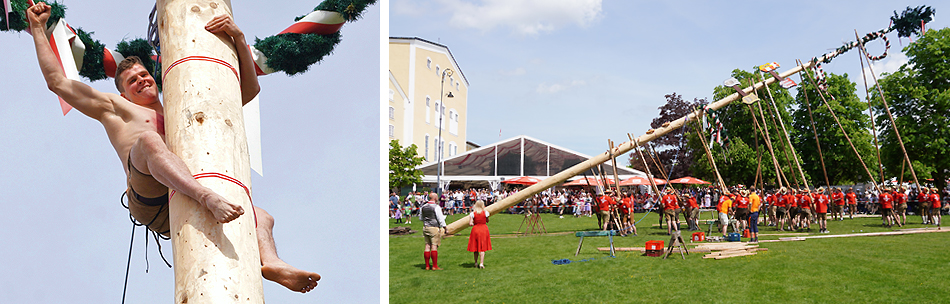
column 230, row 179
column 200, row 58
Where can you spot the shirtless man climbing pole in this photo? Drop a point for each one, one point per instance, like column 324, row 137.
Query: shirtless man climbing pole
column 134, row 123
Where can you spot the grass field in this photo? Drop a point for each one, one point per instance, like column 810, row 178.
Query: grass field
column 881, row 269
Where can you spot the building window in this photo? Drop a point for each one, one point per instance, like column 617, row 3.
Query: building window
column 392, row 131
column 438, row 70
column 392, row 95
column 427, row 110
column 437, row 114
column 426, row 153
column 457, row 86
column 453, row 122
column 428, row 63
column 392, row 113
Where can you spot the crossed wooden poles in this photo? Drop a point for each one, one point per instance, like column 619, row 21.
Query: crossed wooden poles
column 625, row 147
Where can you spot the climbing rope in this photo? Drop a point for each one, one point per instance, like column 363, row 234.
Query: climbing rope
column 155, row 235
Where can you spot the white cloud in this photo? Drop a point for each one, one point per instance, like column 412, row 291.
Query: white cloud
column 889, row 64
column 544, row 88
column 524, row 17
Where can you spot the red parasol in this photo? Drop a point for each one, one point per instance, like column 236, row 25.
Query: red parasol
column 585, row 181
column 689, row 180
column 638, row 180
column 524, row 180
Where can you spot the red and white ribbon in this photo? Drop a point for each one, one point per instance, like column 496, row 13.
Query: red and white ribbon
column 110, row 61
column 66, row 45
column 317, row 22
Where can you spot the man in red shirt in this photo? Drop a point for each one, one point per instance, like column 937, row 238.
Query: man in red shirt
column 781, row 203
column 742, row 209
column 805, row 202
column 923, row 204
column 852, row 199
column 887, row 207
column 935, row 208
column 693, row 207
column 838, row 199
column 605, row 203
column 626, row 212
column 900, row 205
column 670, row 209
column 793, row 209
column 821, row 209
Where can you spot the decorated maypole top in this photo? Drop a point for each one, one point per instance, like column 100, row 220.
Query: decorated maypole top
column 305, row 42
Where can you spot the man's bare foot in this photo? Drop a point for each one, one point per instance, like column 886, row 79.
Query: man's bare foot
column 222, row 210
column 292, row 278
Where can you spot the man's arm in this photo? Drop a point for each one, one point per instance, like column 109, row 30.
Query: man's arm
column 87, row 100
column 249, row 85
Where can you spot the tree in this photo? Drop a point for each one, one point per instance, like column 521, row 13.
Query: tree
column 671, row 149
column 918, row 95
column 842, row 165
column 402, row 166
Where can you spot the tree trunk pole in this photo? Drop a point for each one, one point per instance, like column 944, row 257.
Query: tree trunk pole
column 214, row 262
column 562, row 176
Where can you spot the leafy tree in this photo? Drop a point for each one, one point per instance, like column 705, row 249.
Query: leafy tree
column 671, row 149
column 842, row 165
column 737, row 165
column 402, row 166
column 919, row 97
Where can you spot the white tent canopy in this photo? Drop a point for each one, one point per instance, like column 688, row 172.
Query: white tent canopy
column 511, row 158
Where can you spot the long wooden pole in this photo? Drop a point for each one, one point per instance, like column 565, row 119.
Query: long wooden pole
column 841, row 127
column 814, row 130
column 562, row 176
column 788, row 138
column 779, row 175
column 204, row 123
column 867, row 95
column 897, row 132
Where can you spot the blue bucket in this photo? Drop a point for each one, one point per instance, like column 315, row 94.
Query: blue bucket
column 733, row 237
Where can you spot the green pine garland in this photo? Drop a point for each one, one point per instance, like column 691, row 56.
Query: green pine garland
column 290, row 53
column 909, row 21
column 92, row 59
column 18, row 22
column 295, row 53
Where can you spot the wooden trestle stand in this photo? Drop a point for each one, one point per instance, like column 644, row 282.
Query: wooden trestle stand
column 204, row 123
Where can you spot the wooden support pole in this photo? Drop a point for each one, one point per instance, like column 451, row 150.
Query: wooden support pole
column 562, row 176
column 867, row 95
column 204, row 123
column 814, row 130
column 897, row 132
column 787, row 138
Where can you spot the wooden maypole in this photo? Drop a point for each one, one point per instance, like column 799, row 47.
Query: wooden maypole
column 204, row 123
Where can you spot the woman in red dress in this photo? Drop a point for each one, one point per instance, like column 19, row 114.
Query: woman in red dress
column 479, row 240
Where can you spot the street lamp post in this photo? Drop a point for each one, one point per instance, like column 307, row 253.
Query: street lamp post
column 439, row 145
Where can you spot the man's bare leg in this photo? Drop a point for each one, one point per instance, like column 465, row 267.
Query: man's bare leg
column 150, row 154
column 272, row 267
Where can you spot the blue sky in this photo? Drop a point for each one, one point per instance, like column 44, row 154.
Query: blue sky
column 577, row 73
column 66, row 238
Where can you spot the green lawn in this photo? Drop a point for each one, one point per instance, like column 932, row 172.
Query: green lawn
column 884, row 269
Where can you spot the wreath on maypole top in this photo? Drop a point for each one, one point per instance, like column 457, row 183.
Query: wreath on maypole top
column 910, row 21
column 293, row 51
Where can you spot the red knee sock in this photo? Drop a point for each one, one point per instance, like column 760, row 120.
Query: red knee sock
column 427, row 256
column 435, row 259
